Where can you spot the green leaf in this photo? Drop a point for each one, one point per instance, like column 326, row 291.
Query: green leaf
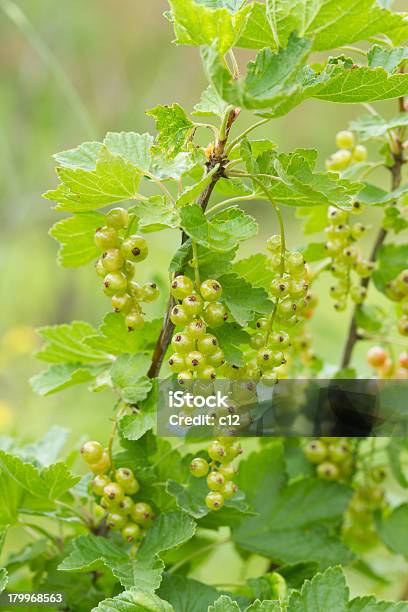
column 132, row 147
column 84, row 156
column 230, row 336
column 211, row 104
column 289, row 511
column 173, row 126
column 375, row 126
column 391, row 260
column 256, row 270
column 76, row 235
column 370, row 604
column 134, row 600
column 315, row 251
column 114, row 338
column 3, row 579
column 113, row 180
column 324, row 592
column 187, row 595
column 190, row 194
column 128, row 375
column 47, row 449
column 197, row 24
column 212, row 264
column 165, row 168
column 156, row 214
column 60, row 376
column 388, row 58
column 221, row 233
column 396, row 447
column 242, row 299
column 392, row 530
column 370, row 317
column 224, row 604
column 168, row 531
column 134, row 426
column 66, row 344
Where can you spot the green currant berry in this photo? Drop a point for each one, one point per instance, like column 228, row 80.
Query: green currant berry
column 279, row 288
column 92, row 451
column 358, row 294
column 214, row 500
column 257, row 340
column 184, row 378
column 115, row 521
column 99, row 267
column 112, row 260
column 286, row 307
column 358, row 230
column 206, row 372
column 378, row 474
column 253, row 373
column 142, row 513
column 132, row 487
column 340, row 160
column 115, row 283
column 114, row 492
column 357, row 207
column 279, row 340
column 134, row 320
column 337, row 216
column 106, row 238
column 181, row 287
column 401, row 282
column 101, row 466
column 274, row 243
column 207, row 344
column 210, row 290
column 350, row 254
column 269, row 378
column 135, row 248
column 195, row 360
column 177, row 362
column 196, row 329
column 99, row 483
column 131, row 532
column 328, row 471
column 124, row 476
column 276, row 262
column 179, row 316
column 263, row 324
column 215, row 481
column 150, row 292
column 339, row 452
column 339, row 270
column 182, row 343
column 340, row 305
column 135, row 290
column 217, row 359
column 265, row 359
column 404, row 306
column 125, row 506
column 345, row 139
column 121, row 303
column 217, row 451
column 199, row 467
column 403, row 325
column 316, row 451
column 215, row 314
column 229, row 489
column 228, row 470
column 193, row 305
column 117, row 218
column 360, row 153
column 232, row 452
column 129, row 270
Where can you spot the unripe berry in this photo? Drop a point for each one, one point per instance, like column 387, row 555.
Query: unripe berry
column 199, row 467
column 177, row 362
column 121, row 303
column 99, row 483
column 269, row 378
column 339, row 452
column 182, row 343
column 207, row 344
column 340, row 160
column 345, row 139
column 124, row 476
column 357, row 207
column 115, row 521
column 253, row 373
column 181, row 287
column 150, row 292
column 359, row 153
column 403, row 325
column 92, row 451
column 135, row 248
column 328, row 471
column 117, row 218
column 229, row 489
column 179, row 316
column 401, row 282
column 364, row 268
column 101, row 466
column 274, row 243
column 262, row 324
column 337, row 216
column 115, row 283
column 350, row 254
column 134, row 320
column 315, row 451
column 112, row 260
column 136, row 290
column 142, row 513
column 298, row 289
column 217, row 358
column 211, row 290
column 106, row 238
column 99, row 267
column 206, row 372
column 232, row 452
column 125, row 505
column 114, row 492
column 215, row 314
column 193, row 304
column 403, row 360
column 131, row 532
column 196, row 329
column 279, row 340
column 228, row 471
column 217, row 451
column 194, row 360
column 358, row 294
column 184, row 378
column 214, row 500
column 215, row 481
column 279, row 288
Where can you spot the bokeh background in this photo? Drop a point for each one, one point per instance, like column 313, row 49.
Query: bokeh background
column 69, row 72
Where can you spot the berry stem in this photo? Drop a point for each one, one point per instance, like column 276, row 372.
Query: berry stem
column 396, row 176
column 195, row 265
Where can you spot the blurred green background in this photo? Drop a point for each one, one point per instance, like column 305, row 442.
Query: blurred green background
column 70, row 72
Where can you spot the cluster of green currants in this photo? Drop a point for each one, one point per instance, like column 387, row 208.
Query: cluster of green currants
column 292, row 301
column 346, row 258
column 348, row 152
column 397, row 291
column 197, row 353
column 332, row 457
column 359, row 527
column 116, row 266
column 123, row 514
column 219, row 471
